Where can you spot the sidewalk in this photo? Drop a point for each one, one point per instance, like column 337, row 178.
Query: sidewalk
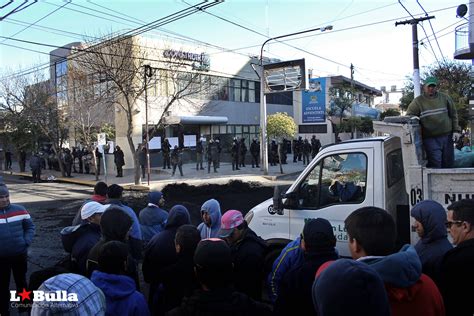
column 160, row 178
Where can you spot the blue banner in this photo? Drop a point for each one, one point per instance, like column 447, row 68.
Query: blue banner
column 314, row 101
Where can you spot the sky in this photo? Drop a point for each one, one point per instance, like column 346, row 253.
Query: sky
column 364, row 32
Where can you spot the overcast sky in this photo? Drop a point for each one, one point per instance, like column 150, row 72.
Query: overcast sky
column 364, row 32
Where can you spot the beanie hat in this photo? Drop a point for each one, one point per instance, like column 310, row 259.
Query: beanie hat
column 155, row 197
column 91, row 208
column 90, row 299
column 353, row 282
column 4, row 190
column 318, row 234
column 212, row 253
column 112, row 255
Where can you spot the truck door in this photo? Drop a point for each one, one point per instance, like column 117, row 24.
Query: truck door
column 337, row 185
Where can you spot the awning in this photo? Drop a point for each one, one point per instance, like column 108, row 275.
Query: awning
column 197, row 120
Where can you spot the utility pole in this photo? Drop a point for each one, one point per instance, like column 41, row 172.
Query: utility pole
column 147, row 73
column 352, row 72
column 416, row 63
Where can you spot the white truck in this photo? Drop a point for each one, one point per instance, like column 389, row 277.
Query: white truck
column 387, row 171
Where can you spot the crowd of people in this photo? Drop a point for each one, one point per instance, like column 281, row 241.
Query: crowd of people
column 218, row 267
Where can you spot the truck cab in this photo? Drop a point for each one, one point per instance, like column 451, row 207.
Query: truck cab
column 387, row 171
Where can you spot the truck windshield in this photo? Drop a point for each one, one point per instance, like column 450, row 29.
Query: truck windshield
column 336, row 179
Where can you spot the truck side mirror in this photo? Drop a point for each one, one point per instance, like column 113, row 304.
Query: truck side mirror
column 277, row 200
column 282, row 200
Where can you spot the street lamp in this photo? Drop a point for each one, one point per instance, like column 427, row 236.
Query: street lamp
column 263, row 107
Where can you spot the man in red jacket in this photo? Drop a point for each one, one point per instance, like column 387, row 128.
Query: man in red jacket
column 372, row 239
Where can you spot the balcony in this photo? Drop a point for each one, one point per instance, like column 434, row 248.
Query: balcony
column 463, row 49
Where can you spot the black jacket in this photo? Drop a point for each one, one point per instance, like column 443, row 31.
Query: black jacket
column 456, row 268
column 248, row 256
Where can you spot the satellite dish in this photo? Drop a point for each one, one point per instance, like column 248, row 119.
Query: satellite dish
column 461, row 11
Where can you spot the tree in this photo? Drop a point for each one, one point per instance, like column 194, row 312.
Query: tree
column 453, row 79
column 89, row 105
column 32, row 103
column 279, row 126
column 341, row 100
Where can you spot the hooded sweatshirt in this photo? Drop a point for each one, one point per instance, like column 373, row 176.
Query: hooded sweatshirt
column 121, row 295
column 409, row 291
column 434, row 243
column 212, row 207
column 160, row 252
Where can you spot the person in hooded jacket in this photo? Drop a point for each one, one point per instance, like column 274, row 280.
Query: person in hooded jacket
column 372, row 238
column 318, row 244
column 153, row 217
column 430, row 218
column 248, row 253
column 121, row 295
column 211, row 219
column 115, row 224
column 160, row 252
column 216, row 295
column 79, row 240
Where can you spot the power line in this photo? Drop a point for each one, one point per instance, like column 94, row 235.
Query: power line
column 434, row 34
column 44, row 17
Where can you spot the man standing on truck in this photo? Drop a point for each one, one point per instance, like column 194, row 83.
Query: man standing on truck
column 439, row 120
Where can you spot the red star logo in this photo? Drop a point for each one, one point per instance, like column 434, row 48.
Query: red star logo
column 25, row 295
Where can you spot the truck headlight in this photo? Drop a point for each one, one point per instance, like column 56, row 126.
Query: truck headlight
column 248, row 217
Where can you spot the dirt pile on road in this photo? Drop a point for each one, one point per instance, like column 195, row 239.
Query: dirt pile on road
column 236, row 195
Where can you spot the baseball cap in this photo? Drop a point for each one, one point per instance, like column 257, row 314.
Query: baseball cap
column 229, row 221
column 431, row 81
column 212, row 253
column 91, row 208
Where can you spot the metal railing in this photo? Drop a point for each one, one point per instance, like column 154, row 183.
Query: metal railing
column 461, row 38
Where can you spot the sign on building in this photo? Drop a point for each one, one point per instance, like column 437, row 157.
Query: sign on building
column 314, row 101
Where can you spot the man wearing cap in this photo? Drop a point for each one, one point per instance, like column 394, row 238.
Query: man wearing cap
column 16, row 234
column 153, row 217
column 248, row 253
column 79, row 240
column 439, row 120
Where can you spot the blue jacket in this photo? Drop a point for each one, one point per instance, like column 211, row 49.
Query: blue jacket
column 214, row 209
column 78, row 241
column 16, row 230
column 152, row 221
column 121, row 295
column 291, row 256
column 434, row 243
